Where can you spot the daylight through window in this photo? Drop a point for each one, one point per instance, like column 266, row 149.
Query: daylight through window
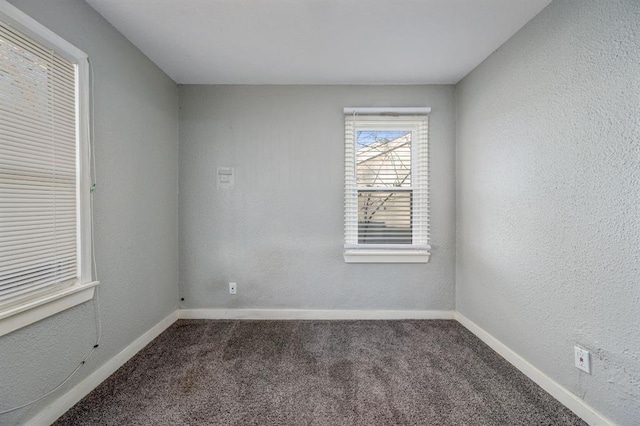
column 386, row 191
column 45, row 231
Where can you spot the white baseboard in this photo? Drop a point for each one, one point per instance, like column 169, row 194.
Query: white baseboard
column 69, row 399
column 60, row 406
column 311, row 314
column 567, row 398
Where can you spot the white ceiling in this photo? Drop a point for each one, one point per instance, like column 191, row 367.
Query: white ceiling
column 318, row 41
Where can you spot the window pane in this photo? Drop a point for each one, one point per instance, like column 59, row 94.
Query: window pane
column 384, row 217
column 38, row 170
column 383, row 158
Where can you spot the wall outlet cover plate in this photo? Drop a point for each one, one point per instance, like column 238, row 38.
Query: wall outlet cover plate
column 582, row 359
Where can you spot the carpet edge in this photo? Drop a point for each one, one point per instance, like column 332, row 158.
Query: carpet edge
column 61, row 405
column 567, row 398
column 67, row 400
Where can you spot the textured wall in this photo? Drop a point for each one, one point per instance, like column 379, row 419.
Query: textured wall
column 279, row 232
column 548, row 198
column 135, row 214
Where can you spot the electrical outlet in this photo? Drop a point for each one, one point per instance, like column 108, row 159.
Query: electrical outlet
column 232, row 288
column 582, row 359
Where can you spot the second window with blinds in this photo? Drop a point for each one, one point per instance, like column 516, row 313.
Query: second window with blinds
column 386, row 186
column 45, row 221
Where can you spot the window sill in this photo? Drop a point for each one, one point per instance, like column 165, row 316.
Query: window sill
column 18, row 316
column 386, row 256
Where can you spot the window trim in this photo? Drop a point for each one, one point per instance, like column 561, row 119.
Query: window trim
column 37, row 307
column 389, row 118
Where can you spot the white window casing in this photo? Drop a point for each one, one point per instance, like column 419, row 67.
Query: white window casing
column 45, row 184
column 386, row 186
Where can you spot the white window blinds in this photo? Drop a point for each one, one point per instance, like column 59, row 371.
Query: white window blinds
column 38, row 168
column 386, row 182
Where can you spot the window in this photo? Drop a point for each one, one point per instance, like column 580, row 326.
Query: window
column 386, row 185
column 45, row 222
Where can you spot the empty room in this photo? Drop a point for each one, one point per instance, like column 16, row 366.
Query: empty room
column 319, row 212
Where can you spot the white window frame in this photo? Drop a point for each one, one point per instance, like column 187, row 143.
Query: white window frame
column 388, row 119
column 21, row 313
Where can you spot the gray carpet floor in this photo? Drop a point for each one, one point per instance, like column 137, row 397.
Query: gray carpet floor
column 201, row 372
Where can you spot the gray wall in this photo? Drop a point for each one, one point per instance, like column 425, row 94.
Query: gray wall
column 135, row 214
column 279, row 232
column 548, row 198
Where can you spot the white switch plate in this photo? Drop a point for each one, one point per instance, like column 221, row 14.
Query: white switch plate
column 232, row 288
column 582, row 359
